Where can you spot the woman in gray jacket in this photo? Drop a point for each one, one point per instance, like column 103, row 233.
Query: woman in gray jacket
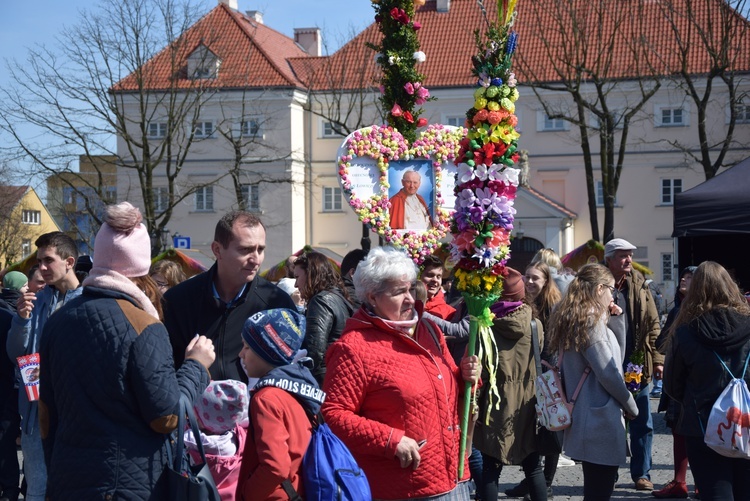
column 578, row 327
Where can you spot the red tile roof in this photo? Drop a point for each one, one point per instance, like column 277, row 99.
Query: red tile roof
column 254, row 55
column 447, row 38
column 10, row 196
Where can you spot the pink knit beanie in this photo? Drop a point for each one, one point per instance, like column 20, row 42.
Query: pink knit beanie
column 123, row 244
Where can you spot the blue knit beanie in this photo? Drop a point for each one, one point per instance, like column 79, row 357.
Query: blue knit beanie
column 275, row 335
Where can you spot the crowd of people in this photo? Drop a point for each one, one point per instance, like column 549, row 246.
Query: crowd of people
column 376, row 348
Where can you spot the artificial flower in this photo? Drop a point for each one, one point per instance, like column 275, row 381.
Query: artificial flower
column 400, row 15
column 417, row 25
column 409, row 88
column 408, row 117
column 421, row 122
column 396, row 111
column 420, row 56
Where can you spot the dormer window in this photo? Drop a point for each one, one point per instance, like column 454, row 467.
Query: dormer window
column 203, row 63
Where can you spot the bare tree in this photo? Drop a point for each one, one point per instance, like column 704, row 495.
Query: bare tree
column 710, row 57
column 592, row 67
column 12, row 232
column 343, row 88
column 102, row 85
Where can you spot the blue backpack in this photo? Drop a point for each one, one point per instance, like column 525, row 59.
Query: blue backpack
column 329, row 471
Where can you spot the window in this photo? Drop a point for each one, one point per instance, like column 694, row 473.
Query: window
column 32, row 217
column 457, row 121
column 203, row 63
column 204, row 199
column 667, row 267
column 742, row 113
column 250, row 128
column 203, row 129
column 671, row 116
column 547, row 124
column 69, row 195
column 329, row 130
column 600, row 194
column 161, row 198
column 157, row 130
column 250, row 197
column 331, row 199
column 110, row 194
column 25, row 247
column 670, row 188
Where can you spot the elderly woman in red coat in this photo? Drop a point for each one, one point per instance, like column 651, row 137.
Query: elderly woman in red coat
column 393, row 388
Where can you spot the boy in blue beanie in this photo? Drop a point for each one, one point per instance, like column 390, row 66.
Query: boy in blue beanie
column 281, row 404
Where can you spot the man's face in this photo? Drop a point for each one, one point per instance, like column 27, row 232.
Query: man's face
column 52, row 267
column 432, row 278
column 36, row 282
column 411, row 182
column 621, row 263
column 243, row 256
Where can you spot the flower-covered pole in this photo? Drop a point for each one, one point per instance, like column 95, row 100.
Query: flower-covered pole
column 399, row 54
column 486, row 184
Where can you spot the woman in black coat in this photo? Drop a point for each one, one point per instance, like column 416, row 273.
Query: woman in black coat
column 713, row 326
column 328, row 306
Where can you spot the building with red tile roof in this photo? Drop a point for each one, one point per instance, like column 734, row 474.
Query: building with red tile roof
column 252, row 67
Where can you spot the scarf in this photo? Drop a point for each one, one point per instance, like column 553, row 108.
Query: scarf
column 111, row 280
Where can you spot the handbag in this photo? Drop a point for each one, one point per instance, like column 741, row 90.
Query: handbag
column 547, row 442
column 188, row 482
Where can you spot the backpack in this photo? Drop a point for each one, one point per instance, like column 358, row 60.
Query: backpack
column 553, row 410
column 728, row 428
column 329, row 471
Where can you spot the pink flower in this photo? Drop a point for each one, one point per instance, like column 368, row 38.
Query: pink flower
column 421, row 122
column 409, row 88
column 422, row 95
column 417, row 25
column 396, row 111
column 465, row 241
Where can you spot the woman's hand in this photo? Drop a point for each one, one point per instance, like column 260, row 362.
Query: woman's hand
column 470, row 369
column 201, row 349
column 407, row 452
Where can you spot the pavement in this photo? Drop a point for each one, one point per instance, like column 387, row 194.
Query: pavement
column 568, row 484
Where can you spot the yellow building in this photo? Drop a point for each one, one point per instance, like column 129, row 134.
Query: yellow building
column 23, row 218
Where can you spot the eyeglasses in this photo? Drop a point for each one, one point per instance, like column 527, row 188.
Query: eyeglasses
column 611, row 289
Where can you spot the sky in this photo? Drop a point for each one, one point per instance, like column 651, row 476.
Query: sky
column 26, row 23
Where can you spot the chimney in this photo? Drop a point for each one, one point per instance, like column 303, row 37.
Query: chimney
column 232, row 4
column 255, row 15
column 443, row 5
column 309, row 39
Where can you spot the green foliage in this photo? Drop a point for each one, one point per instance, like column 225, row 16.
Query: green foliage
column 396, row 57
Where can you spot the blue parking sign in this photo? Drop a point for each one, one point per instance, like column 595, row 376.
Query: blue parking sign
column 181, row 242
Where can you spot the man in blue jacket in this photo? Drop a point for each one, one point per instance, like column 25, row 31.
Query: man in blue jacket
column 216, row 303
column 57, row 255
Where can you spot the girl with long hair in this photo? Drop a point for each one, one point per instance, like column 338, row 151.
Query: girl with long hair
column 713, row 326
column 328, row 306
column 578, row 330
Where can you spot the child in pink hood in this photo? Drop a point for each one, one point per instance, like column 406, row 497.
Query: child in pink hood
column 222, row 413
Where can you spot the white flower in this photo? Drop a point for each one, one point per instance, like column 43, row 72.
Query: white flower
column 420, row 57
column 510, row 176
column 465, row 173
column 393, row 60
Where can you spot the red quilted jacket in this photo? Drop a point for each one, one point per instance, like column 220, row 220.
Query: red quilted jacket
column 381, row 385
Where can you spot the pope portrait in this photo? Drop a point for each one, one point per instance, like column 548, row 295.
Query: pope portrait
column 409, row 211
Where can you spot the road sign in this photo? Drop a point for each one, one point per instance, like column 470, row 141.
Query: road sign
column 181, row 242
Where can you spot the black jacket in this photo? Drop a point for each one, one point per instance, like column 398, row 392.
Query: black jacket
column 694, row 376
column 326, row 315
column 8, row 300
column 190, row 309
